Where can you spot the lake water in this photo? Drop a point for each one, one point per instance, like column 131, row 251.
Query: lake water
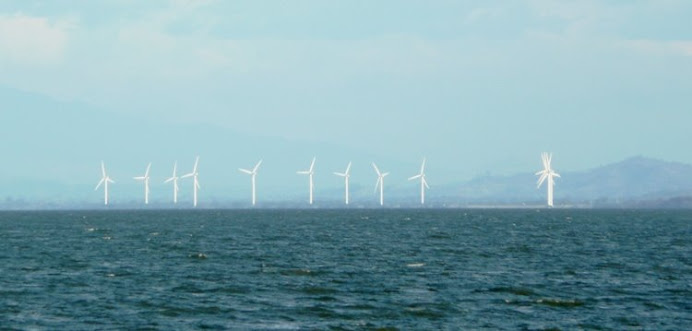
column 346, row 269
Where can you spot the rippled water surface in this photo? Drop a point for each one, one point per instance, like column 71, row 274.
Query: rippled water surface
column 346, row 269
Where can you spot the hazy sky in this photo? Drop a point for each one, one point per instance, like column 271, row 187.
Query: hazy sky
column 486, row 85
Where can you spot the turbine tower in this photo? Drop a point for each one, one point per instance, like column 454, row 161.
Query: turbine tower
column 380, row 182
column 423, row 182
column 547, row 173
column 145, row 178
column 253, row 174
column 346, row 174
column 174, row 179
column 104, row 180
column 194, row 174
column 310, row 172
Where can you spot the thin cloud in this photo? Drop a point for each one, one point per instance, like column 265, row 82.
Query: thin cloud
column 33, row 40
column 657, row 47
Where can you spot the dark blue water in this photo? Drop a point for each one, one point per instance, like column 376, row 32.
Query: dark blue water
column 354, row 269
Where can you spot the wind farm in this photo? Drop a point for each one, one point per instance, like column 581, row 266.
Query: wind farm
column 501, row 165
column 547, row 175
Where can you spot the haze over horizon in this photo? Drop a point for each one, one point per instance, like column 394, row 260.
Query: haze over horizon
column 478, row 87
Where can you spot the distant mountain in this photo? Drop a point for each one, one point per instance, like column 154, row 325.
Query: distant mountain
column 634, row 179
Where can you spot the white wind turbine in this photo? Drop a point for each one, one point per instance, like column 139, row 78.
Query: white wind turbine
column 104, row 180
column 195, row 180
column 310, row 172
column 145, row 178
column 547, row 173
column 423, row 182
column 174, row 179
column 253, row 174
column 380, row 182
column 346, row 174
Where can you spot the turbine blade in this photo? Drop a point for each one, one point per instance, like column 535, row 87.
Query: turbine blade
column 377, row 170
column 146, row 174
column 546, row 162
column 348, row 168
column 187, row 175
column 197, row 184
column 168, row 180
column 139, row 178
column 385, row 174
column 175, row 168
column 542, row 179
column 257, row 166
column 103, row 169
column 422, row 167
column 377, row 183
column 99, row 184
column 340, row 174
column 305, row 172
column 415, row 177
column 556, row 174
column 312, row 164
column 194, row 169
column 425, row 182
column 110, row 180
column 245, row 171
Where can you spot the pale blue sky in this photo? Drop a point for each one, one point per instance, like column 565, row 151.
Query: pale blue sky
column 481, row 86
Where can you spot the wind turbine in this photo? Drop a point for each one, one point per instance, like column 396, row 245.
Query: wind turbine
column 145, row 178
column 346, row 174
column 310, row 172
column 423, row 182
column 380, row 182
column 104, row 180
column 195, row 184
column 174, row 179
column 253, row 174
column 547, row 173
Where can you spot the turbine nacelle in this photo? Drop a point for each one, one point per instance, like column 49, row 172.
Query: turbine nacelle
column 253, row 171
column 310, row 171
column 346, row 173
